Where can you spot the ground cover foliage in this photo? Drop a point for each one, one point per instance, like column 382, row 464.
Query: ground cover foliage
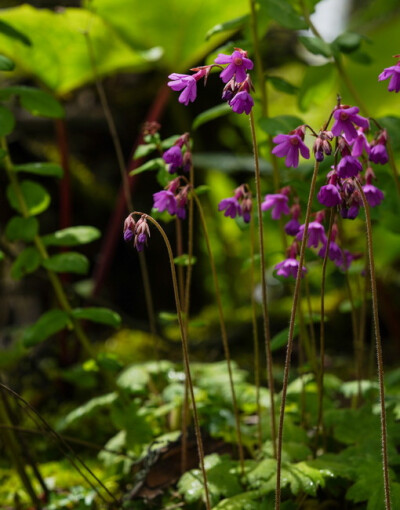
column 238, row 370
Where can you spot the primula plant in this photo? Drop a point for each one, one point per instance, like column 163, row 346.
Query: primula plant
column 253, row 364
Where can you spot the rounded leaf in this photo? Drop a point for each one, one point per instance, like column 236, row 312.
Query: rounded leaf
column 49, row 323
column 22, row 229
column 71, row 262
column 36, row 197
column 26, row 262
column 72, row 236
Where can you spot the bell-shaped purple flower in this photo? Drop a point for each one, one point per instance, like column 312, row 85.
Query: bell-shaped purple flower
column 165, row 201
column 142, row 233
column 344, row 120
column 290, row 146
column 360, row 144
column 174, row 159
column 329, row 195
column 292, row 227
column 187, row 84
column 348, row 166
column 289, row 267
column 334, row 252
column 278, row 203
column 242, row 102
column 394, row 74
column 373, row 195
column 231, row 207
column 378, row 154
column 238, row 65
column 316, row 234
column 129, row 228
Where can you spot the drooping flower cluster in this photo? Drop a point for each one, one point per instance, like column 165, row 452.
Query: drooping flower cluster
column 238, row 205
column 290, row 266
column 179, row 155
column 173, row 198
column 137, row 230
column 238, row 83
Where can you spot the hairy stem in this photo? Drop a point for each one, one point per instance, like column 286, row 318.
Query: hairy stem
column 379, row 355
column 185, row 352
column 267, row 334
column 224, row 334
column 290, row 339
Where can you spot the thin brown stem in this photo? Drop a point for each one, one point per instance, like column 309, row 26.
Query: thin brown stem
column 354, row 325
column 290, row 338
column 379, row 354
column 267, row 334
column 224, row 334
column 185, row 352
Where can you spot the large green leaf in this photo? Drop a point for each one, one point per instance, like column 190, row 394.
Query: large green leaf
column 70, row 262
column 36, row 101
column 72, row 236
column 178, row 27
column 22, row 229
column 101, row 315
column 35, row 196
column 59, row 56
column 49, row 323
column 87, row 409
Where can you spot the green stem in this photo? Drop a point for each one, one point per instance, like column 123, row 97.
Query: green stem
column 267, row 334
column 290, row 338
column 255, row 335
column 379, row 354
column 185, row 351
column 224, row 334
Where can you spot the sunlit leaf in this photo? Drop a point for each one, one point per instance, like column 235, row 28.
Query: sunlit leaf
column 70, row 262
column 6, row 64
column 35, row 196
column 317, row 83
column 72, row 236
column 183, row 260
column 10, row 31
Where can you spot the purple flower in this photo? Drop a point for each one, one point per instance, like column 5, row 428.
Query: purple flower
column 142, row 233
column 292, row 227
column 329, row 195
column 278, row 203
column 334, row 252
column 238, row 64
column 373, row 195
column 129, row 228
column 231, row 207
column 360, row 144
column 349, row 166
column 246, row 206
column 165, row 201
column 290, row 146
column 344, row 119
column 186, row 83
column 173, row 158
column 345, row 261
column 289, row 267
column 350, row 213
column 394, row 73
column 378, row 154
column 316, row 234
column 242, row 102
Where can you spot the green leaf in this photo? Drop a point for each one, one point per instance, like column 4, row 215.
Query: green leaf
column 153, row 164
column 9, row 31
column 72, row 236
column 360, row 57
column 87, row 409
column 26, row 262
column 169, row 142
column 49, row 323
column 282, row 12
column 280, row 124
column 233, row 24
column 317, row 84
column 6, row 64
column 7, row 121
column 392, row 124
column 130, row 418
column 144, row 150
column 183, row 260
column 35, row 196
column 213, row 113
column 22, row 229
column 71, row 262
column 2, row 255
column 280, row 339
column 48, row 169
column 101, row 315
column 244, row 501
column 202, row 189
column 134, row 378
column 36, row 101
column 347, row 42
column 316, row 45
column 282, row 85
